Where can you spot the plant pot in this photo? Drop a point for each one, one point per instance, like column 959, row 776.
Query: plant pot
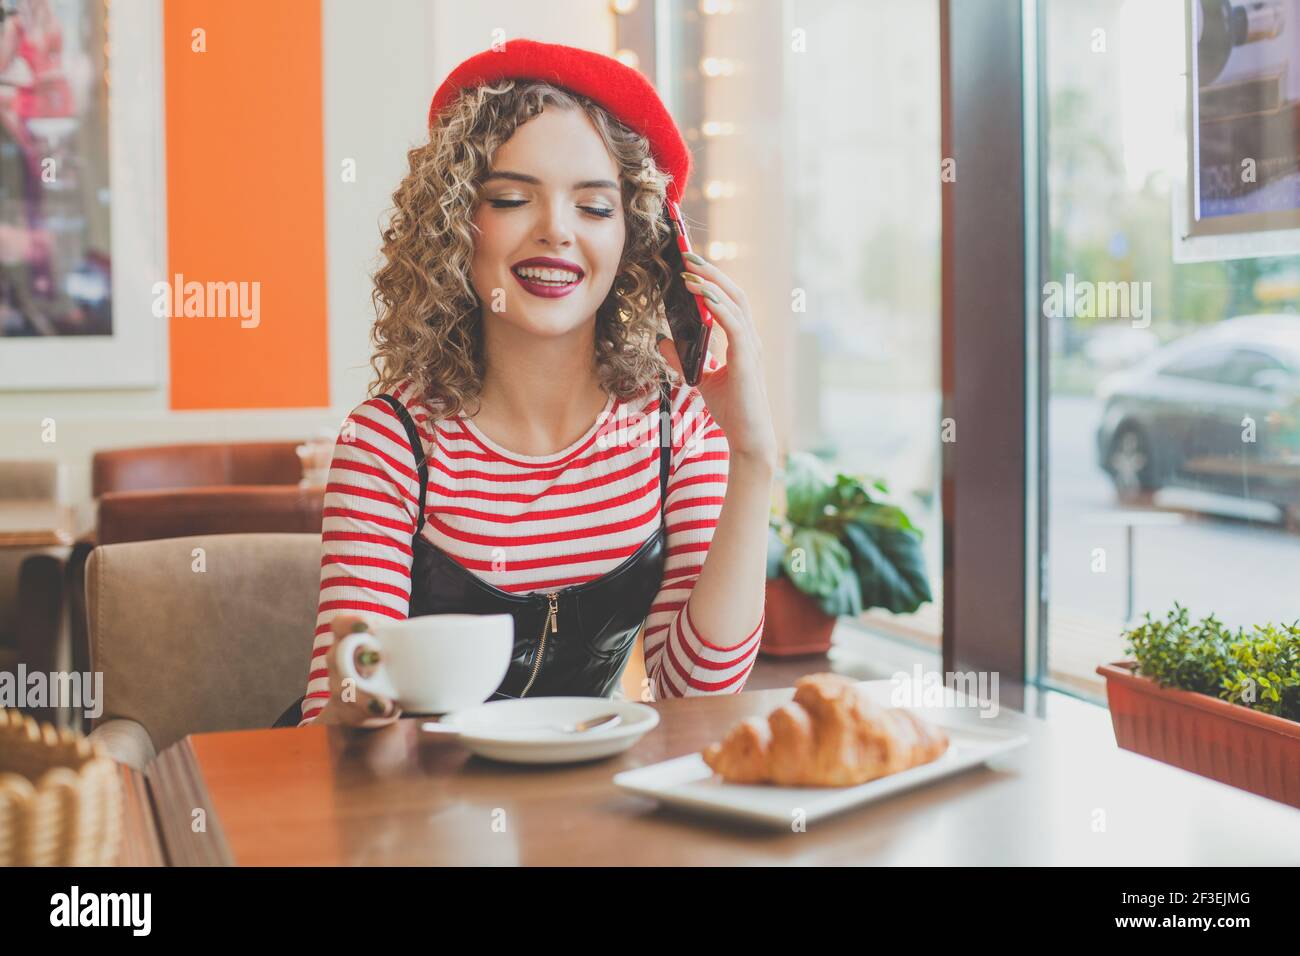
column 1227, row 742
column 794, row 623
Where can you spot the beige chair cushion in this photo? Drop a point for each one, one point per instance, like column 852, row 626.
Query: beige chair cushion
column 187, row 651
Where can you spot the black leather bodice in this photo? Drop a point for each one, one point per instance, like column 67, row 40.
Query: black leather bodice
column 574, row 641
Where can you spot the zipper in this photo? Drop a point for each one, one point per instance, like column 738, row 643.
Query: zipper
column 552, row 623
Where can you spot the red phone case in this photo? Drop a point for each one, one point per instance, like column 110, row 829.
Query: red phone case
column 693, row 374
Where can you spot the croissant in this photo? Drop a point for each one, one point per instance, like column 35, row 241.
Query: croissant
column 830, row 735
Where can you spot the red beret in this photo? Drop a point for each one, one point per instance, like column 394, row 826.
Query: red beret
column 621, row 90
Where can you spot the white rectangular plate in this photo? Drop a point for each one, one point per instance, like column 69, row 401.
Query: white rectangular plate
column 688, row 782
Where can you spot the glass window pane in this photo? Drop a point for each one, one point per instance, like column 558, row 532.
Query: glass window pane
column 857, row 206
column 866, row 231
column 1208, row 365
column 1173, row 421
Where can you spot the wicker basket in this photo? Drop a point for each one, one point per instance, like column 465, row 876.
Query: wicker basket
column 60, row 797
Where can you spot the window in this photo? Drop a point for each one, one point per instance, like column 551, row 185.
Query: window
column 850, row 229
column 864, row 134
column 1213, row 467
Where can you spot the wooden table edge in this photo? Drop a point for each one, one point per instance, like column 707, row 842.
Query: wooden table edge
column 141, row 844
column 35, row 539
column 179, row 789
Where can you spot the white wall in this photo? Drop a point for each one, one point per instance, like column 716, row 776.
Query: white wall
column 382, row 61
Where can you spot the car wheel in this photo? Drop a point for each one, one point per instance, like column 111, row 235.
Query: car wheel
column 1129, row 465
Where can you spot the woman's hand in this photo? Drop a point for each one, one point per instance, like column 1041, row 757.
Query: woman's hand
column 350, row 704
column 735, row 393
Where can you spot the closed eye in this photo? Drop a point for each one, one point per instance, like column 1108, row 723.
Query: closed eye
column 602, row 212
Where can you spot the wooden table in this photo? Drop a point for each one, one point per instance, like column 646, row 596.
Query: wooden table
column 329, row 796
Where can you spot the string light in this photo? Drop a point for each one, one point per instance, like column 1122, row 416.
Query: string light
column 717, row 66
column 713, row 67
column 622, row 7
column 717, row 128
column 628, row 58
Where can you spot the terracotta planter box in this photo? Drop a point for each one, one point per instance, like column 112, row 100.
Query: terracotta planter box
column 1226, row 742
column 794, row 622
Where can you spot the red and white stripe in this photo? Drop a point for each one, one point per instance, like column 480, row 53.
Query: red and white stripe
column 525, row 524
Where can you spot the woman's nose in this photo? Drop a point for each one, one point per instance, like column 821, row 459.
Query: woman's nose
column 556, row 228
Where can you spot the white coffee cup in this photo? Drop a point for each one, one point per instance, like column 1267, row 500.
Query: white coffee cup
column 433, row 664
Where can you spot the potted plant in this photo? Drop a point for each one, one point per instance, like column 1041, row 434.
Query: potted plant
column 840, row 548
column 1221, row 703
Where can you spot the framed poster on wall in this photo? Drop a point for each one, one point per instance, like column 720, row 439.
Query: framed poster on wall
column 82, row 226
column 1241, row 196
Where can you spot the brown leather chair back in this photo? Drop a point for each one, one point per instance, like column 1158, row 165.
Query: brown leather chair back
column 149, row 515
column 195, row 466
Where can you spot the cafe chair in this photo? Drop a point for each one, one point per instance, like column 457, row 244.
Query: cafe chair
column 197, row 634
column 195, row 466
column 128, row 472
column 237, row 509
column 38, row 634
column 31, row 578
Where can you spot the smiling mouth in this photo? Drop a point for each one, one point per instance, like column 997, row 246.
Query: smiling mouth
column 554, row 278
column 547, row 283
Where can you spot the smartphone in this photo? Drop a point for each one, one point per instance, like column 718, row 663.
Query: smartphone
column 689, row 321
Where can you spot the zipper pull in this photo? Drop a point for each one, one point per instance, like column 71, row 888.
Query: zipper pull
column 555, row 611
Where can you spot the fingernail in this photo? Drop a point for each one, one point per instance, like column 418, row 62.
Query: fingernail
column 709, row 295
column 360, row 626
column 376, row 707
column 690, row 277
column 366, row 658
column 659, row 337
column 693, row 258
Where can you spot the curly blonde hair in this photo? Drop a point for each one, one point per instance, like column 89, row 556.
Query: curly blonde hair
column 428, row 316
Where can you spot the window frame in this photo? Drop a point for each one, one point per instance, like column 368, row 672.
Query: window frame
column 992, row 344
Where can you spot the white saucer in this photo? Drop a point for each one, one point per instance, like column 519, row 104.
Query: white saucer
column 512, row 730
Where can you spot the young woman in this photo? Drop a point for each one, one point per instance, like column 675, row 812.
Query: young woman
column 510, row 459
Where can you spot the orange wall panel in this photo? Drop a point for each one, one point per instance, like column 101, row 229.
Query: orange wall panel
column 246, row 203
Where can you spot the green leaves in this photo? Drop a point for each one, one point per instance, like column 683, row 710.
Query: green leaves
column 808, row 487
column 890, row 566
column 1259, row 669
column 822, row 567
column 846, row 545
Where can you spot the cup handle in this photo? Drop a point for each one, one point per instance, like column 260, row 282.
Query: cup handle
column 379, row 683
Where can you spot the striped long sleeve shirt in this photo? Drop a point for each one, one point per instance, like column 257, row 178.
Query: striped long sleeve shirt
column 527, row 523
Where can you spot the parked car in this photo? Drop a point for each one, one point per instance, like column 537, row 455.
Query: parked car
column 1119, row 346
column 1183, row 416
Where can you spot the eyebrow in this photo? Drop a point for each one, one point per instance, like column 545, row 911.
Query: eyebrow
column 525, row 178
